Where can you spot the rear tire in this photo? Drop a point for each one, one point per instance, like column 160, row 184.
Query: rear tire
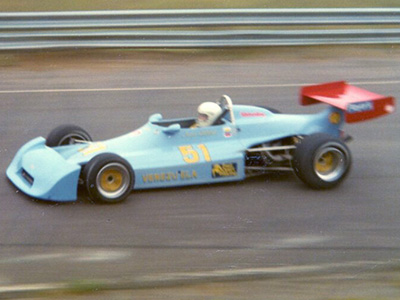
column 321, row 161
column 67, row 135
column 108, row 178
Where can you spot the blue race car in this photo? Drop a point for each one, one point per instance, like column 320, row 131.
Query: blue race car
column 226, row 143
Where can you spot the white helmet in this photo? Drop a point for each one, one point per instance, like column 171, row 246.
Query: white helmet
column 208, row 113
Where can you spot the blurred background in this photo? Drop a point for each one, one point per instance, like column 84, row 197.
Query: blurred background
column 268, row 237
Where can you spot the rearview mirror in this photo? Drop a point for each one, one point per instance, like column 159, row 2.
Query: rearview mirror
column 172, row 129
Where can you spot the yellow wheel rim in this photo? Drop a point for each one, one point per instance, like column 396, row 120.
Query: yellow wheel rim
column 331, row 163
column 111, row 180
column 325, row 163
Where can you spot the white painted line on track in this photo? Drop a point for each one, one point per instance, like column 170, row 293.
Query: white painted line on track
column 70, row 256
column 133, row 89
column 32, row 287
column 178, row 279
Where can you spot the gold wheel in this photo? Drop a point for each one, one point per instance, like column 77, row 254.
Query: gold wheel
column 113, row 180
column 330, row 164
column 325, row 163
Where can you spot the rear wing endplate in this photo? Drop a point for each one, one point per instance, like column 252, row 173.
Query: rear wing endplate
column 358, row 104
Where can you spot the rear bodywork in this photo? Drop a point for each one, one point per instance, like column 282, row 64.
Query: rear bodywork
column 167, row 153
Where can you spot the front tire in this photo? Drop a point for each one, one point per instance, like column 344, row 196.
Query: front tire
column 108, row 178
column 321, row 161
column 67, row 135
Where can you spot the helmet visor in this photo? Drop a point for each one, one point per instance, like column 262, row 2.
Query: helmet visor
column 202, row 117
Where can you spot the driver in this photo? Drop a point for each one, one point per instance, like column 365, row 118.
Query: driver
column 208, row 113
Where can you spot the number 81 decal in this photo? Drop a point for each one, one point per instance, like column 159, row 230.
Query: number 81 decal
column 191, row 155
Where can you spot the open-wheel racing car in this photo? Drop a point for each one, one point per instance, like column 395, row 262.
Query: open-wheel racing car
column 242, row 141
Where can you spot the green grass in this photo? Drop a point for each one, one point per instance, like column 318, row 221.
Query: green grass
column 62, row 5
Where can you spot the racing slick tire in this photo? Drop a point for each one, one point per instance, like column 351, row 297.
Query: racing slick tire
column 67, row 135
column 321, row 161
column 108, row 178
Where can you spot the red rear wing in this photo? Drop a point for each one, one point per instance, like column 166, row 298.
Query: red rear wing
column 358, row 104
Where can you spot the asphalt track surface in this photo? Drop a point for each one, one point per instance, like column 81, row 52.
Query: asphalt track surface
column 263, row 222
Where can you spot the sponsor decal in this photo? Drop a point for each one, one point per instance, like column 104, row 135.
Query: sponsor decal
column 227, row 132
column 194, row 133
column 93, row 148
column 253, row 114
column 359, row 107
column 224, row 170
column 334, row 118
column 169, row 176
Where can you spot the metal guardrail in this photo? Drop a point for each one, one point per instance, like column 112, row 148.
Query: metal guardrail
column 127, row 28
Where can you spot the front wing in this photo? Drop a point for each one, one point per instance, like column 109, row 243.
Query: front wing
column 40, row 172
